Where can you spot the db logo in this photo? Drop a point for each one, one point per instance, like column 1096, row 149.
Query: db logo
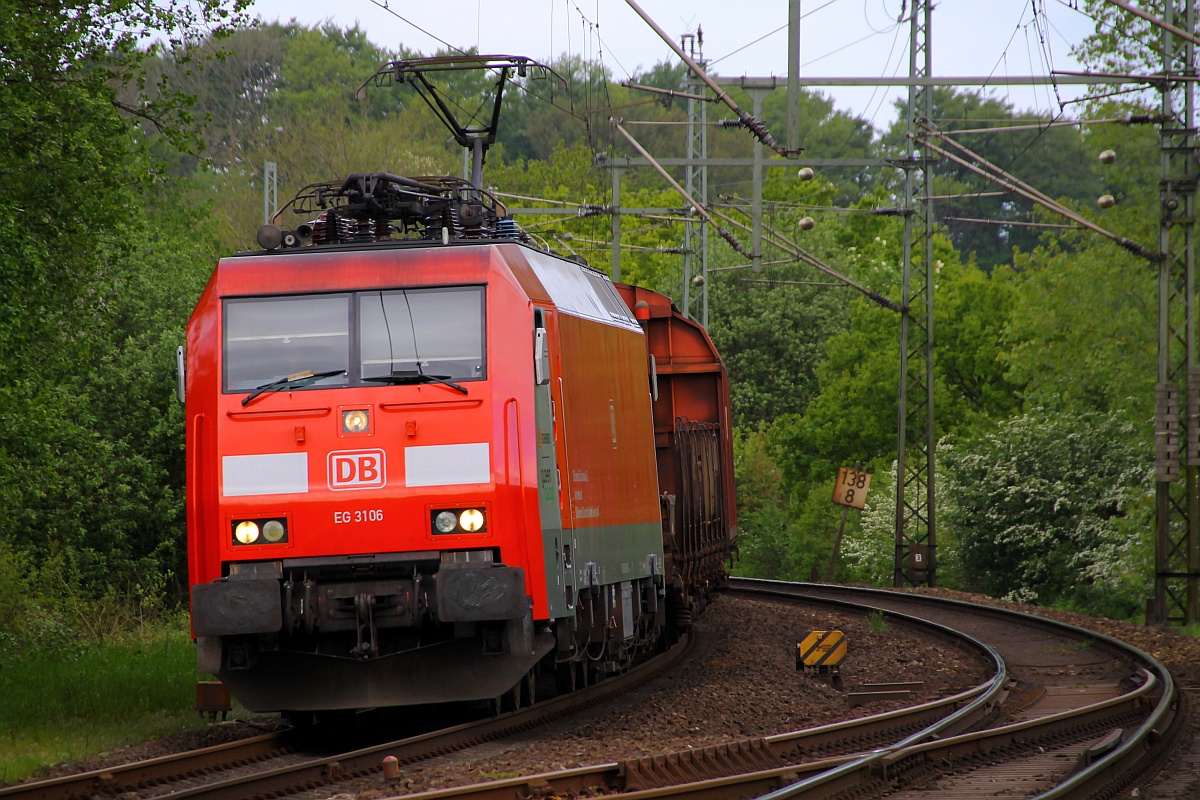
column 357, row 469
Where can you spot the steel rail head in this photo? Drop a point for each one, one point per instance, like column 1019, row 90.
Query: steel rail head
column 283, row 780
column 127, row 777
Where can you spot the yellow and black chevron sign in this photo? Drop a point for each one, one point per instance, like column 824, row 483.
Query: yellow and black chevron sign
column 821, row 649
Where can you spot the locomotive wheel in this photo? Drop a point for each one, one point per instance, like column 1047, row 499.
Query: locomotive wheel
column 529, row 689
column 512, row 698
column 682, row 617
column 566, row 677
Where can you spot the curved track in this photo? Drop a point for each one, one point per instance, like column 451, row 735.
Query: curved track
column 1067, row 713
column 1088, row 714
column 274, row 765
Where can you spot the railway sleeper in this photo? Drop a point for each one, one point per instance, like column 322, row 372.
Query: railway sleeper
column 706, row 763
column 1100, row 749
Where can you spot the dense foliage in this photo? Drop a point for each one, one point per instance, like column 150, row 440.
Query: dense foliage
column 98, row 285
column 127, row 170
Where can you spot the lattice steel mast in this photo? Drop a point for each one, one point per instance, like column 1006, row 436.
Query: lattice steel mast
column 1177, row 532
column 916, row 530
column 697, row 184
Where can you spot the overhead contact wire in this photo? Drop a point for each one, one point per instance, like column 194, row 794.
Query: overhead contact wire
column 1020, row 187
column 754, row 125
column 788, row 246
column 701, row 210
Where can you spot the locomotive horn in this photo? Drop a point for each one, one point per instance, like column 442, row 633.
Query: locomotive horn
column 304, row 232
column 269, row 237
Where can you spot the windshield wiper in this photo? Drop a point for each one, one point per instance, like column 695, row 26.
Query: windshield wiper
column 395, row 380
column 295, row 377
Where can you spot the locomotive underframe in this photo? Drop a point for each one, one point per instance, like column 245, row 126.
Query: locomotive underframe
column 405, row 629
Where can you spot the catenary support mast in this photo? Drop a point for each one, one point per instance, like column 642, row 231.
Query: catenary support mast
column 1178, row 564
column 1177, row 538
column 916, row 528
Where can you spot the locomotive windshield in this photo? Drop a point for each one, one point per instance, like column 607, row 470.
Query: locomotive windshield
column 359, row 338
column 421, row 332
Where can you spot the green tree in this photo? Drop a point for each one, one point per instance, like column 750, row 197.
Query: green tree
column 1054, row 160
column 74, row 202
column 1122, row 43
column 1082, row 332
column 852, row 413
column 323, row 67
column 762, row 506
column 773, row 337
column 540, row 116
column 827, row 132
column 869, row 550
column 231, row 94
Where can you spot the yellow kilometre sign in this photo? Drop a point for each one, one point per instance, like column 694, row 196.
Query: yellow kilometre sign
column 851, row 487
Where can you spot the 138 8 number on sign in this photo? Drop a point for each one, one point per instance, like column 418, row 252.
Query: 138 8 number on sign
column 851, row 487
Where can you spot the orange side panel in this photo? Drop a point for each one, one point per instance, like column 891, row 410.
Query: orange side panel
column 610, row 469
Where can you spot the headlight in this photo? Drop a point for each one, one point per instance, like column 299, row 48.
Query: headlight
column 355, row 421
column 246, row 532
column 260, row 531
column 458, row 520
column 273, row 531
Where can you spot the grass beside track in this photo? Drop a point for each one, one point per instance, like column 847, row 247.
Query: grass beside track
column 66, row 702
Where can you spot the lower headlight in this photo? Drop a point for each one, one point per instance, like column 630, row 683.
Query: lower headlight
column 260, row 531
column 458, row 520
column 471, row 520
column 445, row 522
column 246, row 532
column 273, row 531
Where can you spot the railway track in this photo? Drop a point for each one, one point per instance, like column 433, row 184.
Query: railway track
column 273, row 764
column 1066, row 713
column 1088, row 714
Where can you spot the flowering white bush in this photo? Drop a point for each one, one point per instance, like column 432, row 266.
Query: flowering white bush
column 1041, row 509
column 869, row 552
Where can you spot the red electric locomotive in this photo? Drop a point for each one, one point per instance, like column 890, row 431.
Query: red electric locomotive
column 428, row 461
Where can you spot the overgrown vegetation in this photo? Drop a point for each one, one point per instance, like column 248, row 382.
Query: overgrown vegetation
column 101, row 261
column 82, row 672
column 119, row 192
